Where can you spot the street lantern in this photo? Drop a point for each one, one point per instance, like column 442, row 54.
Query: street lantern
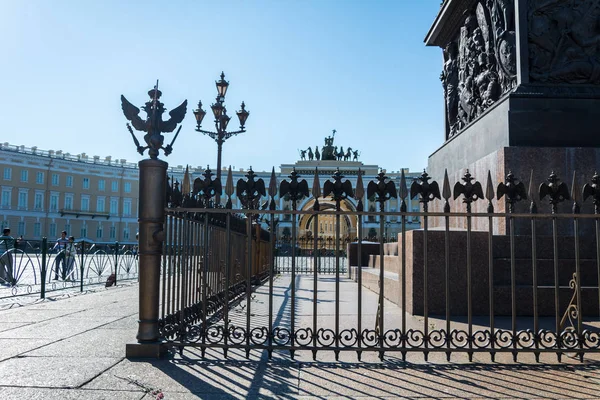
column 243, row 115
column 220, row 135
column 199, row 114
column 222, row 85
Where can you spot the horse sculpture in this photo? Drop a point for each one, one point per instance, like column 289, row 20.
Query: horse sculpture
column 348, row 154
column 303, row 154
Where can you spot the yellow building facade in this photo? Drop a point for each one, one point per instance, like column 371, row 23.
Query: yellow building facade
column 45, row 192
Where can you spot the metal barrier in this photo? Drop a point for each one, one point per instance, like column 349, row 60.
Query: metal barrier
column 536, row 292
column 36, row 267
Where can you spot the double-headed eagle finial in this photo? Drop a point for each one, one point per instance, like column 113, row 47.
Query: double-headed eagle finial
column 154, row 126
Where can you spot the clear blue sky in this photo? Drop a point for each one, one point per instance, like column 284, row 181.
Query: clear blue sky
column 302, row 67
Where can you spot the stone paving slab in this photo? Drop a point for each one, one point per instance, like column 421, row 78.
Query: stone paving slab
column 52, row 372
column 229, row 378
column 59, row 328
column 12, row 393
column 14, row 347
column 12, row 325
column 29, row 315
column 93, row 343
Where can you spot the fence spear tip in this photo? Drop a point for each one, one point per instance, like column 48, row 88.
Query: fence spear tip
column 403, row 188
column 489, row 190
column 446, row 191
column 360, row 188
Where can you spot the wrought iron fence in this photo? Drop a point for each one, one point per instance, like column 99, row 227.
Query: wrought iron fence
column 40, row 267
column 455, row 290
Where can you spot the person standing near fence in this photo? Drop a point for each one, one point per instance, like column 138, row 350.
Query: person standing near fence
column 70, row 253
column 60, row 247
column 7, row 243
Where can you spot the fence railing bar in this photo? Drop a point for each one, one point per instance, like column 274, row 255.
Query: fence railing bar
column 513, row 286
column 469, row 289
column 293, row 283
column 556, row 287
column 337, row 279
column 359, row 274
column 315, row 281
column 248, row 283
column 491, row 287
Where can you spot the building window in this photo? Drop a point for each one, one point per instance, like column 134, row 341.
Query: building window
column 99, row 232
column 22, row 200
column 6, row 194
column 127, row 208
column 85, row 203
column 37, row 229
column 114, row 206
column 52, row 232
column 38, row 203
column 113, row 232
column 86, row 183
column 68, row 202
column 126, row 234
column 55, row 179
column 7, row 173
column 68, row 228
column 415, row 218
column 100, row 204
column 127, row 187
column 24, row 175
column 83, row 231
column 21, row 228
column 101, row 185
column 39, row 177
column 54, row 203
column 69, row 181
column 114, row 186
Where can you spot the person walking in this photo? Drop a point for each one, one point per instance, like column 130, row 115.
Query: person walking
column 7, row 243
column 60, row 263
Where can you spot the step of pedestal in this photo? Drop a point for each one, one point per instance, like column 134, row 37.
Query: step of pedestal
column 545, row 247
column 370, row 280
column 545, row 272
column 390, row 263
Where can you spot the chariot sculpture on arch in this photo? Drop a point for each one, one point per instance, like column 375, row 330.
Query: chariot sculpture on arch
column 329, row 152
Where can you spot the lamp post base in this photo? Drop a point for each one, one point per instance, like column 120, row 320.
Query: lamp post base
column 145, row 350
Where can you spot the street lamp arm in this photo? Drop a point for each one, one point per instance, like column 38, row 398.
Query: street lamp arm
column 213, row 135
column 227, row 135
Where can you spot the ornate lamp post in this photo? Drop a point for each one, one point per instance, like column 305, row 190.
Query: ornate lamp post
column 221, row 121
